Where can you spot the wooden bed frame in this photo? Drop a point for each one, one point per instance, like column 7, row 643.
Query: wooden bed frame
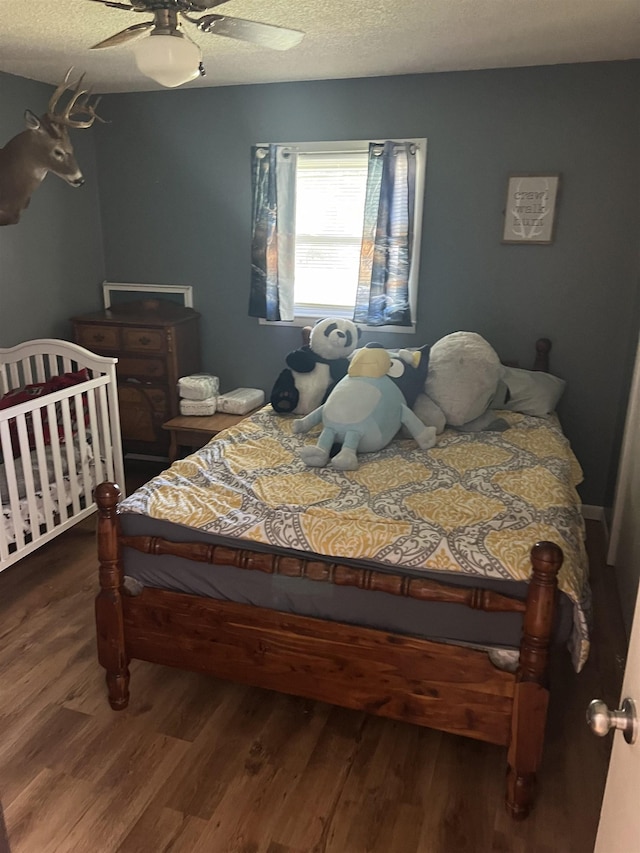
column 447, row 687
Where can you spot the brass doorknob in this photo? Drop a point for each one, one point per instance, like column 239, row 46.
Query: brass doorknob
column 602, row 720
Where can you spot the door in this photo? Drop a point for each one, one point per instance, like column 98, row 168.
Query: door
column 619, row 829
column 624, row 547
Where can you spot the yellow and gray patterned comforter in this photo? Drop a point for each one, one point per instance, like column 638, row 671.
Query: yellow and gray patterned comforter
column 475, row 503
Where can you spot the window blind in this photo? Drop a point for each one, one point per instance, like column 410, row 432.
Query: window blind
column 330, row 195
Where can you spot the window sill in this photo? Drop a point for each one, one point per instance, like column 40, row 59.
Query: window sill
column 312, row 319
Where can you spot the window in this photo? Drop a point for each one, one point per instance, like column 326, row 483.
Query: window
column 330, row 195
column 330, row 190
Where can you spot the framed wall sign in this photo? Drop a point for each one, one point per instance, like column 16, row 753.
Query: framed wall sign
column 530, row 211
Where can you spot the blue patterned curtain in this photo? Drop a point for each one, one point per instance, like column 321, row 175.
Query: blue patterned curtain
column 385, row 260
column 273, row 220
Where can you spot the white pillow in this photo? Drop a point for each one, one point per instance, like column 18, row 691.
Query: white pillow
column 532, row 392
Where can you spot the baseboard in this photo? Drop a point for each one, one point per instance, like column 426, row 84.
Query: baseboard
column 143, row 457
column 593, row 513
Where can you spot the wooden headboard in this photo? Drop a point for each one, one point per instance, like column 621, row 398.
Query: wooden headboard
column 543, row 348
column 541, row 361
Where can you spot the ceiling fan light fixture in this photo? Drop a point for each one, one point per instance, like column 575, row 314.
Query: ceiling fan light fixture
column 168, row 58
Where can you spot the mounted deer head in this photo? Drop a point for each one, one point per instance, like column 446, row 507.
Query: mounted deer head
column 43, row 147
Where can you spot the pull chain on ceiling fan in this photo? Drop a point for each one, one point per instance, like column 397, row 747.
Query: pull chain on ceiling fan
column 166, row 54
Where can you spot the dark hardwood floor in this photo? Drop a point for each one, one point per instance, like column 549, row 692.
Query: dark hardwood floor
column 198, row 765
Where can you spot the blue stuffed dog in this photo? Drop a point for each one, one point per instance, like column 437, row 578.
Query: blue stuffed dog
column 363, row 413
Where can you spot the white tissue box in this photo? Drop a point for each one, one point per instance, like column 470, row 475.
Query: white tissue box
column 199, row 407
column 198, row 386
column 240, row 401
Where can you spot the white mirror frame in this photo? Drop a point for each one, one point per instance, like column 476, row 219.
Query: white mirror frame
column 108, row 287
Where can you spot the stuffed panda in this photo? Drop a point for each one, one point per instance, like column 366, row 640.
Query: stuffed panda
column 312, row 371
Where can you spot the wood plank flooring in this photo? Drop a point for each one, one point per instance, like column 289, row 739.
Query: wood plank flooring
column 197, row 765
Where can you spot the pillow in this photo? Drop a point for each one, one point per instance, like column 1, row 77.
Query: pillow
column 41, row 389
column 532, row 392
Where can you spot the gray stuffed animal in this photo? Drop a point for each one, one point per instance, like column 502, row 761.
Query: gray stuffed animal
column 463, row 385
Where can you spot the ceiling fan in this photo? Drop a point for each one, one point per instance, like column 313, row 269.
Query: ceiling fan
column 171, row 54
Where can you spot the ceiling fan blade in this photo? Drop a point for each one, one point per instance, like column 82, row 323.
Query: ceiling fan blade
column 202, row 5
column 136, row 7
column 266, row 35
column 124, row 36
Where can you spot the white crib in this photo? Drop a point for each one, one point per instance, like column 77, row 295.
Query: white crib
column 56, row 447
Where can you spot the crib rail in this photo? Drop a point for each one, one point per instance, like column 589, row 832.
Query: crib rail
column 39, row 360
column 36, row 368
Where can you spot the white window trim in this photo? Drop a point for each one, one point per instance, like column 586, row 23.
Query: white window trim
column 305, row 318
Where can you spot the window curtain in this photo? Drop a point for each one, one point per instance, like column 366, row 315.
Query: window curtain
column 273, row 220
column 382, row 297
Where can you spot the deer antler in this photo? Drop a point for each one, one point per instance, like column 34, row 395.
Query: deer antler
column 83, row 107
column 78, row 104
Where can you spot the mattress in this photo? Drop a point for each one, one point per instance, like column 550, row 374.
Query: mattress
column 47, row 500
column 434, row 621
column 467, row 511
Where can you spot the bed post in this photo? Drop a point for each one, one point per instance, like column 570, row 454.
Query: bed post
column 532, row 693
column 543, row 348
column 112, row 653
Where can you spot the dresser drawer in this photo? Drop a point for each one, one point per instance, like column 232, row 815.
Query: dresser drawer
column 158, row 397
column 137, row 419
column 98, row 338
column 155, row 345
column 143, row 340
column 142, row 368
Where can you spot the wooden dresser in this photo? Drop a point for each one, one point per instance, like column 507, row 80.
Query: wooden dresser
column 156, row 343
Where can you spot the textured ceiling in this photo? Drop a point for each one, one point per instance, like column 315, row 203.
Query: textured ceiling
column 40, row 39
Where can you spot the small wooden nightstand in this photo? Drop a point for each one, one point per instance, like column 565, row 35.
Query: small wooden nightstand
column 194, row 431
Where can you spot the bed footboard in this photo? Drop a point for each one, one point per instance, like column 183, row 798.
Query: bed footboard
column 529, row 715
column 450, row 688
column 112, row 649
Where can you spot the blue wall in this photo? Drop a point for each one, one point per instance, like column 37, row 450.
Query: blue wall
column 173, row 173
column 175, row 195
column 51, row 262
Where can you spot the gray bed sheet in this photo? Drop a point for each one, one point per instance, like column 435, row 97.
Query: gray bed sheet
column 428, row 620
